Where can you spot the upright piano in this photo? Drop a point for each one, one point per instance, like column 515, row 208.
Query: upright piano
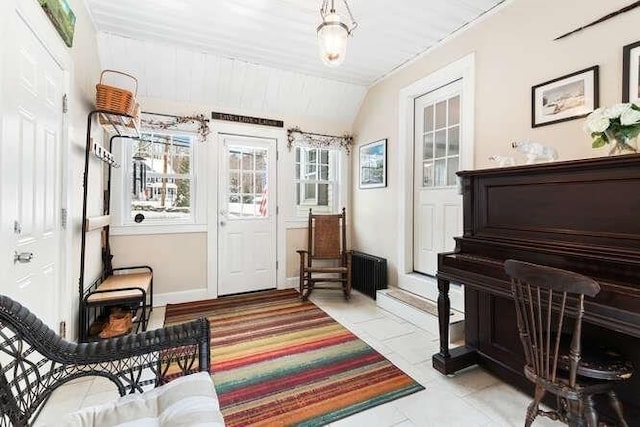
column 582, row 216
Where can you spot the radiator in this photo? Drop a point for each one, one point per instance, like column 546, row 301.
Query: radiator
column 368, row 273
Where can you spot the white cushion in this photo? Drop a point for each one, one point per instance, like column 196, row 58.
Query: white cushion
column 186, row 401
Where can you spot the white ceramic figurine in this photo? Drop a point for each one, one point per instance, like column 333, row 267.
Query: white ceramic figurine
column 503, row 160
column 535, row 151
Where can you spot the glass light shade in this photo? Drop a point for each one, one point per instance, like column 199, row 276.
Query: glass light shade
column 332, row 40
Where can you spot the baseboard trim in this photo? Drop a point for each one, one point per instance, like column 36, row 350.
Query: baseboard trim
column 180, row 297
column 292, row 282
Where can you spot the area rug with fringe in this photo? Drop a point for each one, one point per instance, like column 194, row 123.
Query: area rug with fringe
column 277, row 360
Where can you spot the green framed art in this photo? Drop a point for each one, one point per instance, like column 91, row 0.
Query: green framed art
column 62, row 18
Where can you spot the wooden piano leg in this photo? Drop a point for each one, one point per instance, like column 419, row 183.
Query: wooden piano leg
column 448, row 362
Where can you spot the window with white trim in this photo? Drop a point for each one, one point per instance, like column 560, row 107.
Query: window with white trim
column 317, row 177
column 159, row 179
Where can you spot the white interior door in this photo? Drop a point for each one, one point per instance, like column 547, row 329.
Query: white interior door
column 30, row 185
column 247, row 218
column 437, row 147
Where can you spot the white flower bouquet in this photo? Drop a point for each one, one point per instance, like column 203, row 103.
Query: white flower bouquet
column 617, row 124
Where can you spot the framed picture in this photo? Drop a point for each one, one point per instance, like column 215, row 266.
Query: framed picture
column 373, row 164
column 631, row 73
column 565, row 98
column 62, row 18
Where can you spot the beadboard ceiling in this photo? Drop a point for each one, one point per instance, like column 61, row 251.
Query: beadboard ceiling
column 272, row 42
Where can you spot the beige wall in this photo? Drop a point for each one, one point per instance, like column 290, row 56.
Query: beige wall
column 296, row 239
column 514, row 50
column 170, row 273
column 178, row 260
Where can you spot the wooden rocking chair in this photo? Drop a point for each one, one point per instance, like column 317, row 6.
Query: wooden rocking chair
column 326, row 258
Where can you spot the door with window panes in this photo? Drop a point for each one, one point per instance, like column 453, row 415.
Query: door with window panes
column 437, row 147
column 247, row 217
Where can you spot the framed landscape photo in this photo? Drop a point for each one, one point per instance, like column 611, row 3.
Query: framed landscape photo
column 62, row 18
column 565, row 98
column 373, row 164
column 631, row 73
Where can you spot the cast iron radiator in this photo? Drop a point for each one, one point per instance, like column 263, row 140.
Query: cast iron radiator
column 368, row 273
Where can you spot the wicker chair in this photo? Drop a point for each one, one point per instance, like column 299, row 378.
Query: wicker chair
column 326, row 258
column 548, row 302
column 34, row 360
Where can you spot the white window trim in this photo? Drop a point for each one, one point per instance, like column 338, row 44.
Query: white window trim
column 288, row 166
column 464, row 69
column 120, row 198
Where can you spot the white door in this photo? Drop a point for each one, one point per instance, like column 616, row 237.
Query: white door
column 30, row 186
column 437, row 147
column 247, row 221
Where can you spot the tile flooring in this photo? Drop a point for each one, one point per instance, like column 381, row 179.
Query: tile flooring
column 470, row 398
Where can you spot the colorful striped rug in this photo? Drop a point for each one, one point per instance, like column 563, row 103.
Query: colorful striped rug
column 279, row 361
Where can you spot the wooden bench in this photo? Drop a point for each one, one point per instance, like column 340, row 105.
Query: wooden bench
column 131, row 287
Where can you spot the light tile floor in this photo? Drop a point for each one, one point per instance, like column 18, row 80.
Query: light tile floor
column 471, row 398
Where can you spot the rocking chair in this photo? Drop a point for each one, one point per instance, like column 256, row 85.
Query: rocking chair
column 326, row 259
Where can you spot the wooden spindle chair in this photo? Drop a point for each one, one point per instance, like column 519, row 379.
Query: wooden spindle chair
column 548, row 302
column 326, row 258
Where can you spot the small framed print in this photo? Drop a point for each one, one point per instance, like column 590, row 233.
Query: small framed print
column 631, row 73
column 373, row 164
column 565, row 98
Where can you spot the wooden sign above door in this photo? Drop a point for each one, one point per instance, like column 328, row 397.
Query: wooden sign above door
column 247, row 119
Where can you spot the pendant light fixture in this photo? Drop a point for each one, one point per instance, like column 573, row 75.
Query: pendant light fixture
column 333, row 33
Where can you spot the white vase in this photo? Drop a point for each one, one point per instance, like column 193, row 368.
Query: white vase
column 621, row 144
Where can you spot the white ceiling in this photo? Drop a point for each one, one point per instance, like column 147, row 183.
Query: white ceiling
column 260, row 56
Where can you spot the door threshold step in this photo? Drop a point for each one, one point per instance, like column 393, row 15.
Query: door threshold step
column 420, row 311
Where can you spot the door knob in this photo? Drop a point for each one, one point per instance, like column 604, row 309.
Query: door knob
column 22, row 257
column 223, row 223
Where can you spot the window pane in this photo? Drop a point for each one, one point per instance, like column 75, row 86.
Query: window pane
column 247, row 161
column 441, row 143
column 247, row 182
column 428, row 118
column 234, row 182
column 439, row 170
column 261, row 182
column 234, row 160
column 312, row 155
column 182, row 164
column 427, row 148
column 324, row 173
column 261, row 160
column 452, row 168
column 427, row 174
column 323, row 194
column 324, row 157
column 454, row 110
column 309, row 192
column 298, row 154
column 441, row 114
column 454, row 141
column 155, row 191
column 315, row 165
column 310, row 172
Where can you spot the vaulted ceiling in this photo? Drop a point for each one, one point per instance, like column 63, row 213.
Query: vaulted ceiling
column 271, row 46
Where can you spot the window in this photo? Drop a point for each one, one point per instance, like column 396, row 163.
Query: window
column 247, row 182
column 159, row 180
column 316, row 180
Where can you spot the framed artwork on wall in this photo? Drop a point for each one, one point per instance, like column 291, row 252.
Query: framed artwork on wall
column 565, row 98
column 373, row 164
column 631, row 73
column 62, row 18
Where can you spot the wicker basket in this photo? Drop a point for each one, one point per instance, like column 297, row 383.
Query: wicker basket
column 115, row 99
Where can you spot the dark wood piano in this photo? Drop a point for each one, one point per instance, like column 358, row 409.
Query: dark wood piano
column 582, row 216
